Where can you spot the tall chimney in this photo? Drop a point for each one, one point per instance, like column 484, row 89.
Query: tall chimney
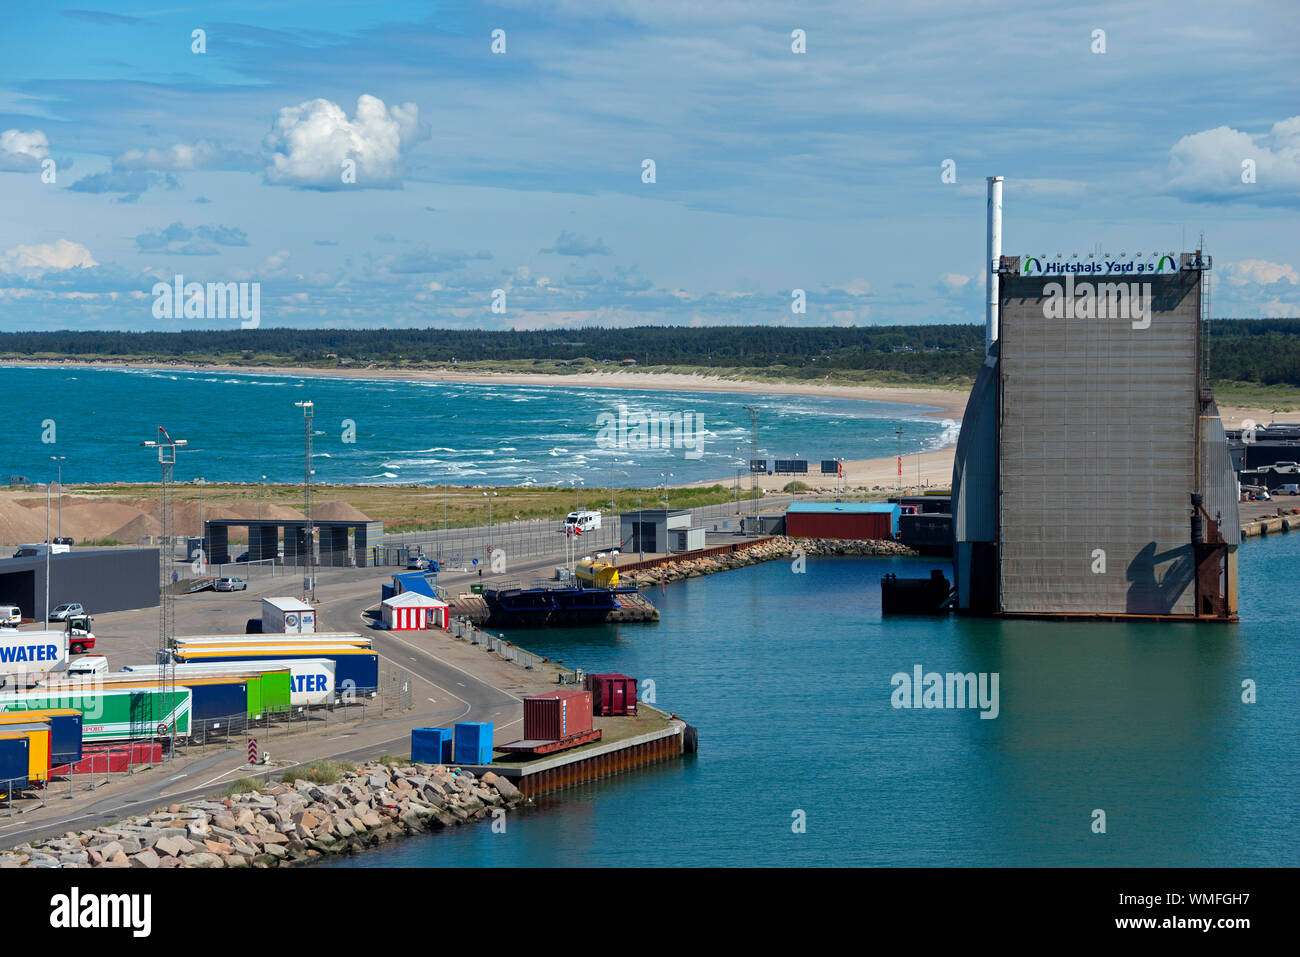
column 994, row 254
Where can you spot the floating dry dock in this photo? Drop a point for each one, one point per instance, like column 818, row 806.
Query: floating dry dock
column 626, row 743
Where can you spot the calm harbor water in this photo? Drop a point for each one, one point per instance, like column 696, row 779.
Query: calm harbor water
column 241, row 426
column 787, row 677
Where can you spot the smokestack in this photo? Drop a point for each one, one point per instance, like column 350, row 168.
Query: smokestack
column 994, row 254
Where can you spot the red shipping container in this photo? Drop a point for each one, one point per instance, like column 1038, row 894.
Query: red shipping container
column 612, row 694
column 550, row 717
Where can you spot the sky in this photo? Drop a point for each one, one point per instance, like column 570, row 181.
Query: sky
column 487, row 165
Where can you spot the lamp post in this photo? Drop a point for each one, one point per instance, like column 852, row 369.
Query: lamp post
column 489, row 498
column 309, row 584
column 261, row 487
column 203, row 537
column 166, row 447
column 59, row 460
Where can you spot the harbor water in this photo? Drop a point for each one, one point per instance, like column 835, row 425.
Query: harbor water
column 788, row 678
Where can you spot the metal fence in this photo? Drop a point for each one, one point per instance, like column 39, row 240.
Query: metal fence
column 495, row 643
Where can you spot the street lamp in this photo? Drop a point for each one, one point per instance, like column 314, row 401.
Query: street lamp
column 663, row 481
column 261, row 487
column 308, row 412
column 203, row 537
column 59, row 459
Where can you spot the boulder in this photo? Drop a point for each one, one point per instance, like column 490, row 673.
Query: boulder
column 202, row 859
column 146, row 858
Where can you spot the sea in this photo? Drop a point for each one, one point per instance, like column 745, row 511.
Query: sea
column 1123, row 745
column 242, row 426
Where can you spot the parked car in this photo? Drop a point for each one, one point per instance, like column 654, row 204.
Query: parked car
column 65, row 540
column 11, row 615
column 230, row 584
column 418, row 562
column 1291, row 488
column 66, row 610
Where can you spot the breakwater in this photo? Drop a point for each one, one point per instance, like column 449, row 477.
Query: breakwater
column 675, row 568
column 1286, row 520
column 283, row 823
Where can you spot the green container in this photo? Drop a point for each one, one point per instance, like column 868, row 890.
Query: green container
column 476, row 588
column 276, row 687
column 113, row 714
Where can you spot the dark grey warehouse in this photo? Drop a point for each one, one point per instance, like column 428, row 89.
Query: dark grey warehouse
column 108, row 579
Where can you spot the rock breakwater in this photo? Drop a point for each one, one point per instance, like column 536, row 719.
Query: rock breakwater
column 284, row 823
column 771, row 549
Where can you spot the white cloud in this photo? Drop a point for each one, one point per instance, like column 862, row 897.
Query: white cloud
column 955, row 282
column 182, row 156
column 1277, row 309
column 309, row 143
column 858, row 287
column 32, row 261
column 22, row 152
column 1260, row 271
column 1208, row 165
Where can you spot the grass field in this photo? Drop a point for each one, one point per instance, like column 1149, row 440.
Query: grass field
column 411, row 508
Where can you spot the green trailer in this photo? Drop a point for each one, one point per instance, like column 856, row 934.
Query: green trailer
column 114, row 713
column 268, row 693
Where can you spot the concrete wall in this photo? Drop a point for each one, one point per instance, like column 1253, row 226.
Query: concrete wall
column 116, row 579
column 1097, row 451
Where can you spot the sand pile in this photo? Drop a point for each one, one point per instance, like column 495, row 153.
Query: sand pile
column 338, row 512
column 141, row 526
column 93, row 521
column 20, row 525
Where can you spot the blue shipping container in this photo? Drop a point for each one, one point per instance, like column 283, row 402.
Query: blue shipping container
column 431, row 745
column 14, row 764
column 474, row 742
column 218, row 706
column 361, row 669
column 65, row 738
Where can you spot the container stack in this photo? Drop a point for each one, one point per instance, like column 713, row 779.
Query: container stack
column 556, row 722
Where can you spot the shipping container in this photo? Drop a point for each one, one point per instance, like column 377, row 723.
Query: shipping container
column 473, row 742
column 287, row 616
column 65, row 730
column 611, row 694
column 114, row 758
column 432, row 745
column 871, row 521
column 355, row 669
column 37, row 735
column 111, row 712
column 310, row 680
column 26, row 655
column 14, row 763
column 550, row 717
column 322, row 638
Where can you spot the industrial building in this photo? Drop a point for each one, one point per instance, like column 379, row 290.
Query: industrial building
column 103, row 580
column 341, row 543
column 1092, row 474
column 660, row 530
column 867, row 521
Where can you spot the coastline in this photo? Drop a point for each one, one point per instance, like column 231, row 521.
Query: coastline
column 935, row 466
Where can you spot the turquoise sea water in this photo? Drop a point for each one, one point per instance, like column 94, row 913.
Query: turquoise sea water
column 787, row 677
column 242, row 426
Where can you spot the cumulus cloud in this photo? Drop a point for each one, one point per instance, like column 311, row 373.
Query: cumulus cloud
column 1260, row 272
column 182, row 240
column 34, row 260
column 571, row 244
column 954, row 283
column 22, row 152
column 130, row 183
column 204, row 154
column 1208, row 166
column 309, row 143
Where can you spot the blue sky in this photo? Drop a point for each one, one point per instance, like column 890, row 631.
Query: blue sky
column 522, row 170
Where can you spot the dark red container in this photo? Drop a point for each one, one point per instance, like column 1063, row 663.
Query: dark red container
column 612, row 694
column 550, row 717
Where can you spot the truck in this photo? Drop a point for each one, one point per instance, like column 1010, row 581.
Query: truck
column 581, row 521
column 33, row 549
column 287, row 616
column 80, row 638
column 27, row 655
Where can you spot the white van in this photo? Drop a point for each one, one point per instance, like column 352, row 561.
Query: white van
column 11, row 615
column 584, row 521
column 87, row 666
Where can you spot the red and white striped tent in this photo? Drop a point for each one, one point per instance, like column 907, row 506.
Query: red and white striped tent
column 410, row 611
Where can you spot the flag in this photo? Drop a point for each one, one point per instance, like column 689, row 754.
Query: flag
column 840, row 468
column 577, row 531
column 900, row 466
